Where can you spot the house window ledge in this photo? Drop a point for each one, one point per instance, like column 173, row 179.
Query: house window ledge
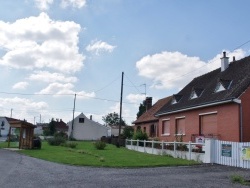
column 167, row 134
column 180, row 134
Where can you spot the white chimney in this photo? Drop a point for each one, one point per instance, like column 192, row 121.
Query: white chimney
column 224, row 62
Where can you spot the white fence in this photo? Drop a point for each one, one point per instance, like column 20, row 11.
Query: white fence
column 216, row 151
column 184, row 150
column 232, row 153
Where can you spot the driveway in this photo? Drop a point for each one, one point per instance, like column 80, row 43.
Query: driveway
column 21, row 171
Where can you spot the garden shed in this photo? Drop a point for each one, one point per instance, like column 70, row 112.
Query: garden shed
column 26, row 135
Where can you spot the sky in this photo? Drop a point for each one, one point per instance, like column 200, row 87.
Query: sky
column 51, row 50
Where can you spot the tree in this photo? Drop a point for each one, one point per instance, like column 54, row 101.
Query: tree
column 142, row 109
column 128, row 132
column 113, row 119
column 52, row 127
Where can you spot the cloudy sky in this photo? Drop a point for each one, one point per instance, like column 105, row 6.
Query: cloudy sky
column 51, row 50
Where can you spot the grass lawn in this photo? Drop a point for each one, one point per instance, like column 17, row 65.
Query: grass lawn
column 85, row 154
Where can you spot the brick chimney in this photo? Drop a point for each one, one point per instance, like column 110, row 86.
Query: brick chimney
column 224, row 62
column 148, row 103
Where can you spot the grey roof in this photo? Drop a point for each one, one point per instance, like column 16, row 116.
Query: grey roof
column 236, row 79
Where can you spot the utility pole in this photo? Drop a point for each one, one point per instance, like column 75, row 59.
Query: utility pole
column 72, row 126
column 118, row 144
column 11, row 112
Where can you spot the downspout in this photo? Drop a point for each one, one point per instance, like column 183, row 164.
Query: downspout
column 238, row 101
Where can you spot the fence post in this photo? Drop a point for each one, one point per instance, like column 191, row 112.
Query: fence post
column 152, row 146
column 162, row 146
column 209, row 151
column 144, row 146
column 190, row 149
column 174, row 149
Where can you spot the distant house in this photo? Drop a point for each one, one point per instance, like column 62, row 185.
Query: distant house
column 5, row 126
column 215, row 105
column 147, row 122
column 86, row 129
column 60, row 126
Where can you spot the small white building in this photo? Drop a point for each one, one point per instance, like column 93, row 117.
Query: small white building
column 5, row 126
column 87, row 129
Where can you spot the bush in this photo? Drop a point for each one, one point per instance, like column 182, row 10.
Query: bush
column 56, row 141
column 70, row 144
column 100, row 145
column 139, row 135
column 61, row 134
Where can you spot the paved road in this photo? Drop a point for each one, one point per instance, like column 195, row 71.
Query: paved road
column 20, row 171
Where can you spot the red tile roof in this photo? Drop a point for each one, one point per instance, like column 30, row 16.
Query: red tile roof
column 148, row 116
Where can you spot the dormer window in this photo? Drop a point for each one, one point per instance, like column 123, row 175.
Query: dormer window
column 176, row 99
column 222, row 85
column 196, row 92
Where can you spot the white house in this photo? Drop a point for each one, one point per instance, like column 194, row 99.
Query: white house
column 4, row 126
column 87, row 129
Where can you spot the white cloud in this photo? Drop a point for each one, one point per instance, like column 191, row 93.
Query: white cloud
column 20, row 85
column 100, row 46
column 43, row 4
column 46, row 76
column 39, row 42
column 73, row 3
column 173, row 70
column 65, row 89
column 135, row 98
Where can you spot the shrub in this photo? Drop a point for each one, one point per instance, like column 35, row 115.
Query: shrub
column 56, row 141
column 61, row 134
column 70, row 144
column 139, row 135
column 100, row 145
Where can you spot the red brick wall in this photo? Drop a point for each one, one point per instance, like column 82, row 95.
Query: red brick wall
column 227, row 122
column 245, row 100
column 147, row 126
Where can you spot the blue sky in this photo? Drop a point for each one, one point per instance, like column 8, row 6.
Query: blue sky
column 52, row 49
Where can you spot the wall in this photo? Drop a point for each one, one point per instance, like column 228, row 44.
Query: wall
column 245, row 100
column 6, row 127
column 89, row 130
column 147, row 125
column 227, row 122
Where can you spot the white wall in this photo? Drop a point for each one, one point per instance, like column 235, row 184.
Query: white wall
column 6, row 127
column 89, row 130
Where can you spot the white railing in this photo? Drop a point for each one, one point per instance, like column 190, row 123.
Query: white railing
column 184, row 150
column 216, row 151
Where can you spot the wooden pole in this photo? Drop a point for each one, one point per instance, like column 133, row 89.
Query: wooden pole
column 118, row 144
column 72, row 126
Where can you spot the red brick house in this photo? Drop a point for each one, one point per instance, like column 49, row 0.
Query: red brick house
column 147, row 122
column 216, row 104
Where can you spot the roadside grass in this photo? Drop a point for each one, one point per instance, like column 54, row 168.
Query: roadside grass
column 239, row 179
column 85, row 154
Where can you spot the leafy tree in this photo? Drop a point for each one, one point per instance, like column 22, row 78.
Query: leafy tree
column 139, row 135
column 142, row 109
column 113, row 119
column 128, row 132
column 52, row 127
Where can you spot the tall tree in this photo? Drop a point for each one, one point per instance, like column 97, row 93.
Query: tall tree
column 142, row 109
column 113, row 119
column 52, row 127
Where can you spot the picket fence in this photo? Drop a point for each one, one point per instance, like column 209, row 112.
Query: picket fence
column 235, row 154
column 231, row 153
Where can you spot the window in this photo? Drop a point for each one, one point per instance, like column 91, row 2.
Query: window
column 81, row 120
column 144, row 129
column 222, row 85
column 180, row 126
column 196, row 92
column 166, row 127
column 176, row 98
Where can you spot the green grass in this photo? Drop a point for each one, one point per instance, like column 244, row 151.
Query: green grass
column 239, row 179
column 85, row 154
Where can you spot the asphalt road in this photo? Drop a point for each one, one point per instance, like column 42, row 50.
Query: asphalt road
column 19, row 171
